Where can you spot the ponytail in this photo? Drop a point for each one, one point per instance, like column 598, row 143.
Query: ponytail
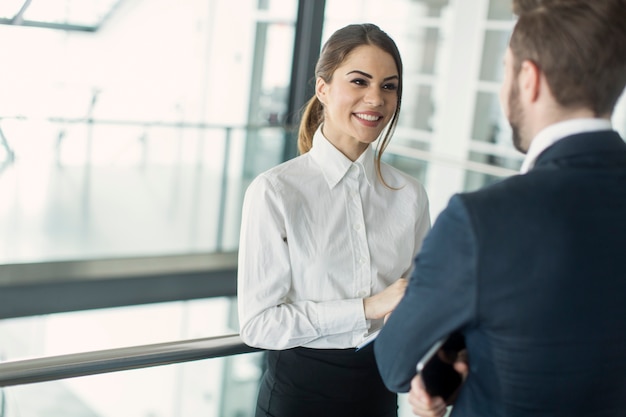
column 312, row 117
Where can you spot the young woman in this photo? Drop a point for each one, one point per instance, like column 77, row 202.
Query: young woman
column 328, row 237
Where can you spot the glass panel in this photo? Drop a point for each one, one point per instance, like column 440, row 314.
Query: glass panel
column 375, row 11
column 413, row 167
column 269, row 94
column 422, row 58
column 476, row 180
column 487, row 118
column 219, row 387
column 494, row 48
column 496, row 160
column 418, row 107
column 84, row 331
column 500, row 10
column 276, row 74
column 418, row 41
column 79, row 191
column 285, row 7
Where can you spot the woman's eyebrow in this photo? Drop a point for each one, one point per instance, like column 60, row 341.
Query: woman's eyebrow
column 365, row 74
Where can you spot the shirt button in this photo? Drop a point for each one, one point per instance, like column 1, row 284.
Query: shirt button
column 361, row 293
column 357, row 226
column 361, row 260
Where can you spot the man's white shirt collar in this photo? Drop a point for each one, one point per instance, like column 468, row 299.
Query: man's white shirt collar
column 553, row 133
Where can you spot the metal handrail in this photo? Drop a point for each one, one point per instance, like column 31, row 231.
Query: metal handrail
column 48, row 287
column 30, row 273
column 52, row 368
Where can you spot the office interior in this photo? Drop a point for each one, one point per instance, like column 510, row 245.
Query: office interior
column 129, row 130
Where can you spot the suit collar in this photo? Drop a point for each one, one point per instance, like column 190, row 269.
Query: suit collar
column 596, row 146
column 557, row 131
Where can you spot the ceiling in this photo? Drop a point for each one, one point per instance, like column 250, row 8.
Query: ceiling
column 81, row 15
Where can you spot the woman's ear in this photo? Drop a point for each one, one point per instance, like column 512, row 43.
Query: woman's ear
column 320, row 89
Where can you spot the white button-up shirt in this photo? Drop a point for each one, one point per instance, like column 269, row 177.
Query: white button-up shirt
column 320, row 233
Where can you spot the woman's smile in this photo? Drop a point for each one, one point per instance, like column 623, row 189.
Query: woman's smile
column 369, row 118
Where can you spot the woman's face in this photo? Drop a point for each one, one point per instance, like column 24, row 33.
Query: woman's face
column 359, row 100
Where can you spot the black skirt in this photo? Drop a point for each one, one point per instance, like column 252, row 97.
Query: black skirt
column 304, row 382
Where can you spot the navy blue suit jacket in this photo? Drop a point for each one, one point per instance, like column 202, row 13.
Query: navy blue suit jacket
column 532, row 271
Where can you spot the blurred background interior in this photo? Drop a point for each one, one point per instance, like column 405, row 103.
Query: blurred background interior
column 129, row 130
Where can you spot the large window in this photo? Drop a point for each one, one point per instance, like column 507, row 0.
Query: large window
column 124, row 124
column 123, row 133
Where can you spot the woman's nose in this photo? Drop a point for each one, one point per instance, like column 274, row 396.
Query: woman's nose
column 374, row 97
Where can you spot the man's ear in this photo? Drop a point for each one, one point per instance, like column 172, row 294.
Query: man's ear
column 320, row 89
column 529, row 81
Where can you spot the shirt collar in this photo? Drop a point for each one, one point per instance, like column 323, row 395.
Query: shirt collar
column 553, row 133
column 335, row 165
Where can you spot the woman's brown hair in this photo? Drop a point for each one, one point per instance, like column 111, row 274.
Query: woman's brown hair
column 334, row 52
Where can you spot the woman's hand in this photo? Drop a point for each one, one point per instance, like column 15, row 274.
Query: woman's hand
column 380, row 305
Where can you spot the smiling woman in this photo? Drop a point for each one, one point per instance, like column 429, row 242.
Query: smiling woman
column 357, row 49
column 360, row 99
column 328, row 237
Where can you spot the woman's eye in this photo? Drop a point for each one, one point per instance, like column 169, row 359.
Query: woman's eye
column 359, row 81
column 391, row 87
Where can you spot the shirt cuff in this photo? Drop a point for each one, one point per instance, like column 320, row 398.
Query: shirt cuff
column 342, row 316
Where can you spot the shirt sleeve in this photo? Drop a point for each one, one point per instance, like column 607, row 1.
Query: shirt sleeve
column 422, row 225
column 423, row 221
column 268, row 318
column 439, row 299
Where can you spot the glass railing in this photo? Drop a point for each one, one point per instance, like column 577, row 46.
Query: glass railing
column 43, row 357
column 73, row 189
column 210, row 377
column 52, row 368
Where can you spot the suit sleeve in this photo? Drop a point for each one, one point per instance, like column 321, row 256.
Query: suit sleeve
column 440, row 297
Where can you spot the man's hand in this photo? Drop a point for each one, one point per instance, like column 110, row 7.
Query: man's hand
column 422, row 404
column 461, row 364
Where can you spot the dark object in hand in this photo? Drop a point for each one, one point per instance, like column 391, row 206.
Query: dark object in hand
column 438, row 375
